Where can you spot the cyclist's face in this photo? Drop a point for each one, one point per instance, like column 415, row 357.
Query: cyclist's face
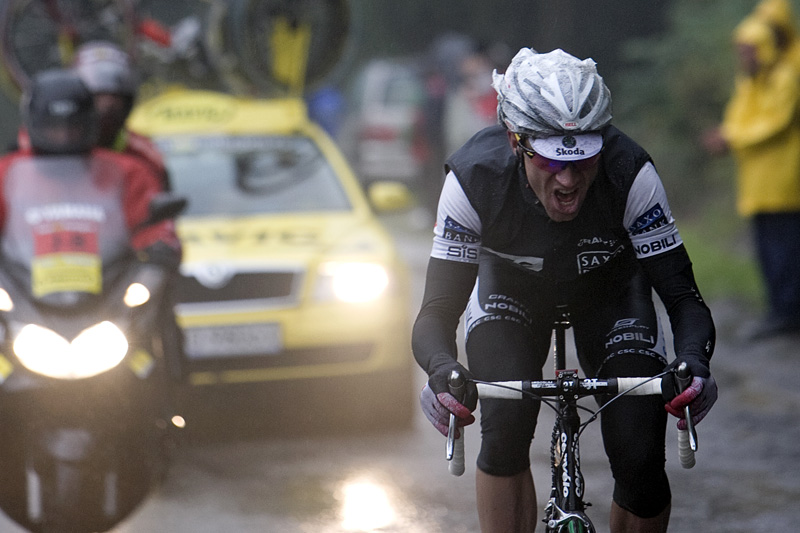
column 112, row 110
column 561, row 193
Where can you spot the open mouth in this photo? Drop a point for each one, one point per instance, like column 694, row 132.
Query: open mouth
column 566, row 197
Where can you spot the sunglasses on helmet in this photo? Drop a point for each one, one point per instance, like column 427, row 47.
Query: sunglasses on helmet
column 554, row 165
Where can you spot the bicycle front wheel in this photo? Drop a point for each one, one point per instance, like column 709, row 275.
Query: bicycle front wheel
column 39, row 34
column 571, row 525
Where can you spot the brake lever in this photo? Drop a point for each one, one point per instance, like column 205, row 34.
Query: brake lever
column 683, row 379
column 455, row 446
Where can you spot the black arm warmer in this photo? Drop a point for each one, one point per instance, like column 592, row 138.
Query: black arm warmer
column 448, row 285
column 692, row 326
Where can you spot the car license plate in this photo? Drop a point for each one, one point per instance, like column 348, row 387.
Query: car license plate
column 234, row 340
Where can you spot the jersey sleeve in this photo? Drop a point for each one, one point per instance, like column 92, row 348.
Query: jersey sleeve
column 457, row 234
column 648, row 218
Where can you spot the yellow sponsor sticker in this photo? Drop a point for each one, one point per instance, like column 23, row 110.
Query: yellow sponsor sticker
column 66, row 273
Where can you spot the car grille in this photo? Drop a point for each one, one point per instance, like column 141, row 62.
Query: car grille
column 240, row 287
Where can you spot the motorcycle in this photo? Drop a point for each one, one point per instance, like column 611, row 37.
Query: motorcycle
column 86, row 423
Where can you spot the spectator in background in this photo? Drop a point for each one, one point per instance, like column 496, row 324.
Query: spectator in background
column 761, row 126
column 472, row 106
column 441, row 67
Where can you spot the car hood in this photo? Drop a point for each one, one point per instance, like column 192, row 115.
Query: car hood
column 293, row 239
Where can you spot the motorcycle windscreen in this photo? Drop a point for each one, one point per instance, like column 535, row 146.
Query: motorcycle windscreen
column 64, row 221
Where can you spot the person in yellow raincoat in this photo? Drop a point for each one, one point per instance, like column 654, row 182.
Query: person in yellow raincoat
column 761, row 127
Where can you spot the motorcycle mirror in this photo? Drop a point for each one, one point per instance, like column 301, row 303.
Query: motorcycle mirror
column 164, row 206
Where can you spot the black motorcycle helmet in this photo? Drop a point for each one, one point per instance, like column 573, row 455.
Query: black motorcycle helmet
column 58, row 113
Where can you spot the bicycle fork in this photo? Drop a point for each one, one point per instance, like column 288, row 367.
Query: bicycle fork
column 564, row 511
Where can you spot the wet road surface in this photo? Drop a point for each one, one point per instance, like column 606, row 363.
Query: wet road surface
column 747, row 478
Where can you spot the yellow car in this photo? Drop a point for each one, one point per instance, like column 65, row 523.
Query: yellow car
column 289, row 282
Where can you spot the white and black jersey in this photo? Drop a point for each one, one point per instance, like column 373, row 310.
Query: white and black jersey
column 487, row 207
column 491, row 226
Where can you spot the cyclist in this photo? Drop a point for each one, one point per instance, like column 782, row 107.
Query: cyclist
column 62, row 180
column 556, row 206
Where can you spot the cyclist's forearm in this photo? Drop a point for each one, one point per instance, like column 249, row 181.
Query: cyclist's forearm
column 447, row 289
column 690, row 318
column 693, row 331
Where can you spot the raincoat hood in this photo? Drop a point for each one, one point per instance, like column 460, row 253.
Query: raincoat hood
column 778, row 13
column 755, row 32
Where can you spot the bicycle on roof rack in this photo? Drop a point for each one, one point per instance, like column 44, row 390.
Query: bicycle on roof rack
column 273, row 47
column 565, row 511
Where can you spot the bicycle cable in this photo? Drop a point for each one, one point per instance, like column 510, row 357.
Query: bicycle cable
column 595, row 414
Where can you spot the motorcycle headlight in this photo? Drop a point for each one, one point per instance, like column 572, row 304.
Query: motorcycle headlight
column 94, row 351
column 136, row 295
column 352, row 282
column 6, row 304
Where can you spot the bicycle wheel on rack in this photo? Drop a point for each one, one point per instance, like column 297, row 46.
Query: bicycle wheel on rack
column 40, row 34
column 278, row 47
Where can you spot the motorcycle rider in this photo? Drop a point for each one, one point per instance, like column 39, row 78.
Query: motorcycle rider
column 62, row 194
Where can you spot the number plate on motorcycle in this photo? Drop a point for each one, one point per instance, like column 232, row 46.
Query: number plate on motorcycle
column 233, row 340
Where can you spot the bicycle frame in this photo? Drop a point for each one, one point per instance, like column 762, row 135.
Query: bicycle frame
column 565, row 509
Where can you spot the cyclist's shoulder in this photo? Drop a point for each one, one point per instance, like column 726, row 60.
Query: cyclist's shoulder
column 488, row 151
column 485, row 166
column 623, row 158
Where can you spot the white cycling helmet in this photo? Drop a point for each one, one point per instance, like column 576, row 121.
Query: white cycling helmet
column 550, row 94
column 106, row 68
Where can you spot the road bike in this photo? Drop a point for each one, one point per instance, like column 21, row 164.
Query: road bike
column 266, row 47
column 565, row 511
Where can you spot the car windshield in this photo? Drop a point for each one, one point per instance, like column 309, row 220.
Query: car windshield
column 239, row 176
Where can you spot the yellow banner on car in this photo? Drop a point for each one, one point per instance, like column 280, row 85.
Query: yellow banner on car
column 207, row 112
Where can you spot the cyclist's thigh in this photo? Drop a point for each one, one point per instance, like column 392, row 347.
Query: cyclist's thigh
column 506, row 340
column 619, row 333
column 622, row 337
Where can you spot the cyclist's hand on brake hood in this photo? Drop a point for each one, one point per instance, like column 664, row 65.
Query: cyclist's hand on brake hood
column 700, row 395
column 437, row 402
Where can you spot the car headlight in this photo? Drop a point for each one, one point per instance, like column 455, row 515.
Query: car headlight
column 352, row 282
column 94, row 351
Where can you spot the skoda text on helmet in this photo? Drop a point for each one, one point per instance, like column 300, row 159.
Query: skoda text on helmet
column 555, row 98
column 58, row 113
column 106, row 68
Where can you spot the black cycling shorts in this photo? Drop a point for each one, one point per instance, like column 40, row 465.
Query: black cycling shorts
column 509, row 330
